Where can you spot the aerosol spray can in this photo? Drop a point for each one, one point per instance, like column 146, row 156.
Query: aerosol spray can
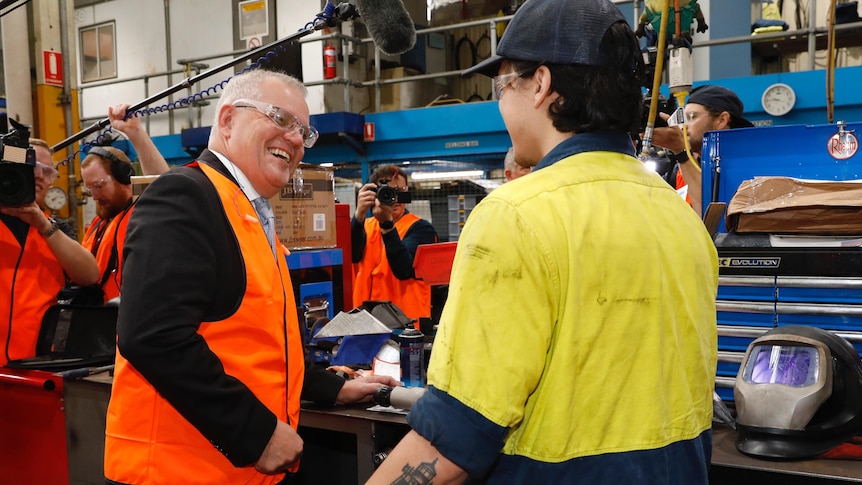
column 412, row 346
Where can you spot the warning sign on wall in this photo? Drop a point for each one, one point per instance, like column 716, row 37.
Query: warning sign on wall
column 53, row 67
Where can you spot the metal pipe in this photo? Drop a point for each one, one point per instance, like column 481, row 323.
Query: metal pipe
column 72, row 179
column 740, row 331
column 725, row 382
column 818, row 282
column 774, row 36
column 45, row 384
column 168, row 61
column 732, row 357
column 812, row 40
column 744, row 306
column 758, row 281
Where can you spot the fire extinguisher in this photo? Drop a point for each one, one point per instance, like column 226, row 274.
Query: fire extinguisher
column 329, row 62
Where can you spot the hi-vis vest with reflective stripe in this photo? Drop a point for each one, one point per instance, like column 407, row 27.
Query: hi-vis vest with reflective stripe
column 147, row 440
column 375, row 281
column 36, row 276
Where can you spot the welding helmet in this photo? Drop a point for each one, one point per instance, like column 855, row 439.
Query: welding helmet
column 798, row 394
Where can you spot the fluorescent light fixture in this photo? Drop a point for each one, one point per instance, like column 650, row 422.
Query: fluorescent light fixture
column 463, row 174
column 327, row 164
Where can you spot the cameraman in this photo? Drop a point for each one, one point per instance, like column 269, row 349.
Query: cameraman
column 384, row 246
column 38, row 256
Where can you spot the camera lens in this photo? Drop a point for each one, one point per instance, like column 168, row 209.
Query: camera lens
column 387, row 195
column 17, row 183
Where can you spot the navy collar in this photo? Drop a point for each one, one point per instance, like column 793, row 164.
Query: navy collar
column 603, row 141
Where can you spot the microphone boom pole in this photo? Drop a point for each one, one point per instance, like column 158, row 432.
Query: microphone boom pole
column 344, row 11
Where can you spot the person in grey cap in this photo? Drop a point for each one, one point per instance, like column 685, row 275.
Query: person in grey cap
column 572, row 347
column 708, row 108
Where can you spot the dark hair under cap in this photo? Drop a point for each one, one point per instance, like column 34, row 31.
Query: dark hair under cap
column 720, row 99
column 554, row 32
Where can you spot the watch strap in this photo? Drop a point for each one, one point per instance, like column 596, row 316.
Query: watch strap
column 382, row 396
column 51, row 230
column 680, row 157
column 387, row 225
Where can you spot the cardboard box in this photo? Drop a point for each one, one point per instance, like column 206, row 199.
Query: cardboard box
column 139, row 183
column 785, row 205
column 305, row 209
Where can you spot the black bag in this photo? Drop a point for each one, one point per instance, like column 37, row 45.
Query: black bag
column 72, row 337
column 92, row 295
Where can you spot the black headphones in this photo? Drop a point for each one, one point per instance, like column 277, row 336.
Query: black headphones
column 121, row 170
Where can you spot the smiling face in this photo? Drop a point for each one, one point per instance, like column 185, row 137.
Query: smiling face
column 265, row 152
column 43, row 156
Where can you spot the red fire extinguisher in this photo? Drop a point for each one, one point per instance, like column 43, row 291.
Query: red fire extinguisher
column 329, row 62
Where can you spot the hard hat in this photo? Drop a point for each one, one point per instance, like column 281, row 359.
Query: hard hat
column 798, row 393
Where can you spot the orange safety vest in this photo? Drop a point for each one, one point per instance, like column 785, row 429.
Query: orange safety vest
column 374, row 279
column 36, row 276
column 680, row 183
column 147, row 440
column 113, row 233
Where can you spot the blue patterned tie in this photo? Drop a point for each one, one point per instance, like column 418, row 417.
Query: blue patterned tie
column 267, row 219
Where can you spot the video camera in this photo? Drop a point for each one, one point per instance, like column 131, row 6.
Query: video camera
column 17, row 166
column 390, row 196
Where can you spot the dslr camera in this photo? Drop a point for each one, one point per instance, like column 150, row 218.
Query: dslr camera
column 17, row 166
column 389, row 196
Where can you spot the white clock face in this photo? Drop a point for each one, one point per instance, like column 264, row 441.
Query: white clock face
column 778, row 99
column 55, row 198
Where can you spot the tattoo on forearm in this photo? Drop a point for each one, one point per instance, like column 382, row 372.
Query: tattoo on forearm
column 420, row 475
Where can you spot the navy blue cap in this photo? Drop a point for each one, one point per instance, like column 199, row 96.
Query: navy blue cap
column 555, row 32
column 721, row 99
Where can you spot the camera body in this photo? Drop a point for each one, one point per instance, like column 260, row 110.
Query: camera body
column 17, row 166
column 389, row 196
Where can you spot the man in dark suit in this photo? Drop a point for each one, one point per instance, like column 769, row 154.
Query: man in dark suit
column 210, row 363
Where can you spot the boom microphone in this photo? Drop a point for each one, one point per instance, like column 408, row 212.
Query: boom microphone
column 389, row 24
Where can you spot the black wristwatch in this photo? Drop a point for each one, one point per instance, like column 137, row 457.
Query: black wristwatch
column 387, row 225
column 680, row 157
column 381, row 396
column 51, row 230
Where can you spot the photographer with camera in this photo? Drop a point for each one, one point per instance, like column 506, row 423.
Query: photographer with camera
column 39, row 255
column 384, row 244
column 709, row 108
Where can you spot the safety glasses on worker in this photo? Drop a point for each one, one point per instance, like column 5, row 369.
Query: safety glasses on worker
column 283, row 118
column 46, row 172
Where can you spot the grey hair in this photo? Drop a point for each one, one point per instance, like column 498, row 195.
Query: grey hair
column 509, row 160
column 247, row 86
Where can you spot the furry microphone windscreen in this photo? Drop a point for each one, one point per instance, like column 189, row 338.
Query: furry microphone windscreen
column 389, row 25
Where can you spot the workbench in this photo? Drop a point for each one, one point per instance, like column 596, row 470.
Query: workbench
column 729, row 466
column 340, row 443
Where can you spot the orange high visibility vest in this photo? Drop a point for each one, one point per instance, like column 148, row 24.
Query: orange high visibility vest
column 103, row 240
column 374, row 279
column 680, row 183
column 36, row 276
column 147, row 440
